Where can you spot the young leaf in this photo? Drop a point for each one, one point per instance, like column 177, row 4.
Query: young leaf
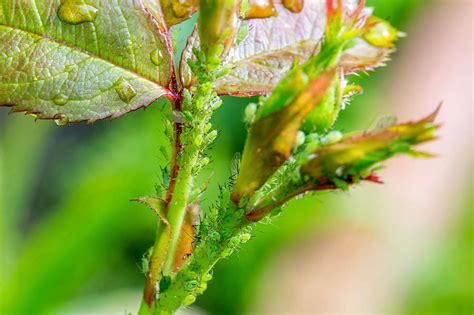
column 74, row 61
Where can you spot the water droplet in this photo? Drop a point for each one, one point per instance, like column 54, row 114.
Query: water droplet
column 259, row 9
column 76, row 12
column 60, row 100
column 156, row 57
column 61, row 120
column 125, row 90
column 295, row 6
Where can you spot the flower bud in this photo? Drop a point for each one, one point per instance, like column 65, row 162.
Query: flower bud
column 218, row 21
column 356, row 154
column 380, row 33
column 272, row 138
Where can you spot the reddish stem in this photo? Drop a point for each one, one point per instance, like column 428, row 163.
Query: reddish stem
column 149, row 291
column 323, row 185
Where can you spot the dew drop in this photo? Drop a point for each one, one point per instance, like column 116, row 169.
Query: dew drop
column 60, row 100
column 125, row 90
column 295, row 6
column 61, row 120
column 76, row 12
column 259, row 9
column 156, row 57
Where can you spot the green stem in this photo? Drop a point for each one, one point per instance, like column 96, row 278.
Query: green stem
column 185, row 160
column 179, row 201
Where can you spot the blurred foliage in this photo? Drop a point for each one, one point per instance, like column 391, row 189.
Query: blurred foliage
column 69, row 233
column 444, row 284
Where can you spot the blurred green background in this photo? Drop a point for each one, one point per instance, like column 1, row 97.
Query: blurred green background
column 71, row 241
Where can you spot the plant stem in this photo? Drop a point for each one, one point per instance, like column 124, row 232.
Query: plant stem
column 183, row 167
column 179, row 201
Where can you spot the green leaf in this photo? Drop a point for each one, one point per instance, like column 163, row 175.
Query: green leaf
column 78, row 60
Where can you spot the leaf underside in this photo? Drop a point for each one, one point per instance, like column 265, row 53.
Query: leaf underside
column 81, row 62
column 273, row 45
